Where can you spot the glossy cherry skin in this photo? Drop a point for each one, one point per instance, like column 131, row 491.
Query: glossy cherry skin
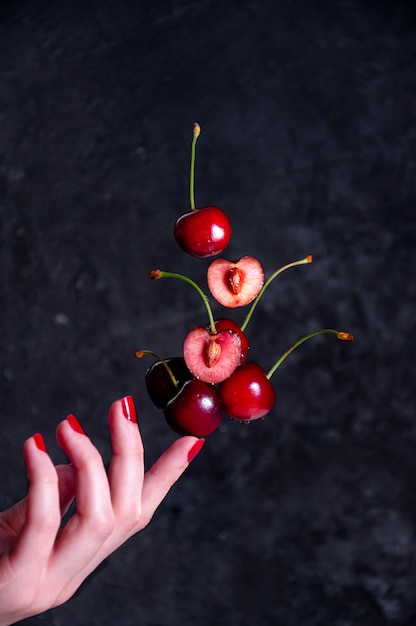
column 203, row 232
column 196, row 410
column 247, row 394
column 160, row 385
column 224, row 323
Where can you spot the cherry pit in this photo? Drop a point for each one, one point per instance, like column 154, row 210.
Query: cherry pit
column 213, row 378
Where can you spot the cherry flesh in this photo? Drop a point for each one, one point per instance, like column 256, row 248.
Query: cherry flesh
column 235, row 284
column 247, row 394
column 196, row 410
column 159, row 384
column 203, row 232
column 211, row 357
column 224, row 323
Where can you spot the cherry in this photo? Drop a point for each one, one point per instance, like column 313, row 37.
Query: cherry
column 247, row 394
column 212, row 356
column 201, row 232
column 235, row 284
column 165, row 378
column 224, row 323
column 196, row 410
column 209, row 354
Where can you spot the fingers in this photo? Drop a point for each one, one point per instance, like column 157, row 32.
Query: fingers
column 43, row 515
column 127, row 464
column 81, row 546
column 93, row 520
column 135, row 495
column 109, row 509
column 165, row 472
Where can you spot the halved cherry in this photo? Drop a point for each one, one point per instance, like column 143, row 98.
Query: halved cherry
column 211, row 357
column 209, row 354
column 224, row 323
column 235, row 284
column 196, row 410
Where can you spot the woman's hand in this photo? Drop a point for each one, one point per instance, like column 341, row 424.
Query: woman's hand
column 42, row 564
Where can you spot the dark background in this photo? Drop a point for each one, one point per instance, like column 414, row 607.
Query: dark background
column 308, row 142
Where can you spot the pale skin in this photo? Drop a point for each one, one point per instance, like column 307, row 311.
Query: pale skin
column 42, row 564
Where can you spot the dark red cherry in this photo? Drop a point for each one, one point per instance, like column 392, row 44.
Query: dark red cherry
column 203, row 232
column 226, row 324
column 247, row 394
column 159, row 384
column 195, row 410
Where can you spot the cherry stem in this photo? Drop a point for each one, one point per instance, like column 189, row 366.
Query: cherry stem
column 307, row 259
column 197, row 130
column 338, row 334
column 156, row 274
column 141, row 353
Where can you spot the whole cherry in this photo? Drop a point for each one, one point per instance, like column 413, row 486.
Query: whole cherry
column 205, row 231
column 165, row 378
column 247, row 394
column 195, row 410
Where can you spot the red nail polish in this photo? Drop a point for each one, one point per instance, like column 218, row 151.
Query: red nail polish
column 195, row 449
column 39, row 441
column 75, row 425
column 129, row 410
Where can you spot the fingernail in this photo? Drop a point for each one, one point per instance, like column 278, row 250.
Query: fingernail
column 75, row 425
column 129, row 410
column 39, row 441
column 196, row 448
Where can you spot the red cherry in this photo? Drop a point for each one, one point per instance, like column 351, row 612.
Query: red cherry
column 235, row 284
column 227, row 324
column 211, row 357
column 203, row 232
column 196, row 410
column 247, row 394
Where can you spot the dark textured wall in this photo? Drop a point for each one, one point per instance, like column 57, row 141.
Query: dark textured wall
column 308, row 113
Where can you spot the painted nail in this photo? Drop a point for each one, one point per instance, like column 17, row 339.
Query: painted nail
column 75, row 425
column 39, row 441
column 129, row 410
column 195, row 449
